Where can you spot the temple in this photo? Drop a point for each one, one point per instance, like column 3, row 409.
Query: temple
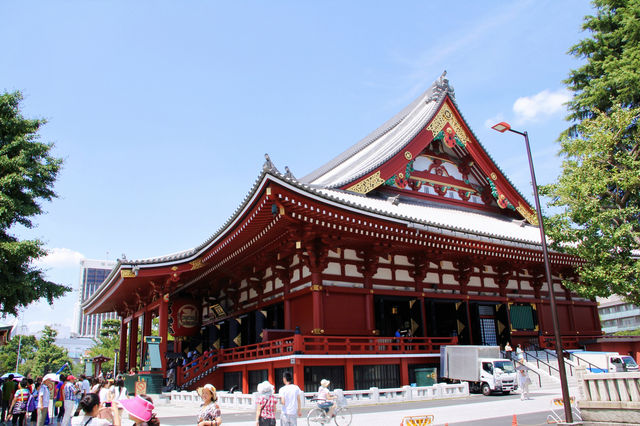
column 413, row 231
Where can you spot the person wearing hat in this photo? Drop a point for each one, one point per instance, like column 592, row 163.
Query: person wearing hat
column 140, row 409
column 44, row 396
column 266, row 405
column 209, row 414
column 69, row 391
column 325, row 398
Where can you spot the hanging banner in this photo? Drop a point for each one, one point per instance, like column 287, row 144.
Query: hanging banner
column 184, row 317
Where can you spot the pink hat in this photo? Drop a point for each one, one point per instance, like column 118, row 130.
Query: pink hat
column 138, row 407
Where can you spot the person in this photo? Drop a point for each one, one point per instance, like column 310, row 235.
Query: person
column 523, row 381
column 58, row 403
column 209, row 414
column 140, row 409
column 18, row 407
column 44, row 396
column 266, row 405
column 32, row 405
column 291, row 400
column 520, row 354
column 85, row 387
column 119, row 393
column 90, row 406
column 508, row 350
column 8, row 390
column 325, row 398
column 68, row 399
column 105, row 394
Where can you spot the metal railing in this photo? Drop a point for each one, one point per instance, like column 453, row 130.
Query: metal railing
column 508, row 356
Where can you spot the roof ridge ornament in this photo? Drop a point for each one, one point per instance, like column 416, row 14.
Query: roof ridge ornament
column 288, row 173
column 268, row 165
column 440, row 87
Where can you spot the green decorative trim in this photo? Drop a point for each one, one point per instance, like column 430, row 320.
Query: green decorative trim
column 496, row 195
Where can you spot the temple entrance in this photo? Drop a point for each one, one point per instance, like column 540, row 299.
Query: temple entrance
column 401, row 314
column 448, row 318
column 489, row 323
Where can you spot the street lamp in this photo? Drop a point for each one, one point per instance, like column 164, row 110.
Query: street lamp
column 115, row 362
column 503, row 127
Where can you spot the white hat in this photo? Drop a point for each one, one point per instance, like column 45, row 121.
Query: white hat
column 265, row 387
column 324, row 383
column 51, row 376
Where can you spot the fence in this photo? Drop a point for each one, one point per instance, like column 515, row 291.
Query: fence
column 240, row 401
column 609, row 397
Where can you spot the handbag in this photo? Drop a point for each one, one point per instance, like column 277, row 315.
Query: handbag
column 266, row 422
column 20, row 407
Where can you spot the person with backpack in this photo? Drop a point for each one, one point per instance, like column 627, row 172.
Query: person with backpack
column 18, row 408
column 58, row 403
column 32, row 405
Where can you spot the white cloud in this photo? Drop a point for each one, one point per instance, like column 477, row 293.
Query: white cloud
column 489, row 122
column 60, row 258
column 540, row 105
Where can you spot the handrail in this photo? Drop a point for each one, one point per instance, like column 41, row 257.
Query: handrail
column 589, row 365
column 527, row 355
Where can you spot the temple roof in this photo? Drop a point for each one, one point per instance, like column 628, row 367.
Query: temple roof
column 384, row 142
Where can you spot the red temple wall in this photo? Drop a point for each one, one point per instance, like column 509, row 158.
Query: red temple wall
column 344, row 314
column 302, row 313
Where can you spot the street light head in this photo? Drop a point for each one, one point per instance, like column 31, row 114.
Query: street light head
column 502, row 127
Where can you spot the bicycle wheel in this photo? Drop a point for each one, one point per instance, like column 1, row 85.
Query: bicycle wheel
column 316, row 417
column 343, row 417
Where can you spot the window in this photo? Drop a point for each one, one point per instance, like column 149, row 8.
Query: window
column 522, row 317
column 380, row 376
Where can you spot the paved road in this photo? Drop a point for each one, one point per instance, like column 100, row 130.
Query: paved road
column 475, row 410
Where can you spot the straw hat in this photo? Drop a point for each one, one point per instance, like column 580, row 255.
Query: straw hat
column 138, row 407
column 211, row 389
column 324, row 383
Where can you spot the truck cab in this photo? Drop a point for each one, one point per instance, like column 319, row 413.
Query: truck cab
column 622, row 363
column 605, row 362
column 499, row 375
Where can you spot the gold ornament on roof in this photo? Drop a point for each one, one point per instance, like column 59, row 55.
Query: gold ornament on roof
column 196, row 264
column 532, row 218
column 444, row 116
column 127, row 273
column 370, row 183
column 408, row 155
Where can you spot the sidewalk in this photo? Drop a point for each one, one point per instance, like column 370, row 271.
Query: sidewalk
column 456, row 411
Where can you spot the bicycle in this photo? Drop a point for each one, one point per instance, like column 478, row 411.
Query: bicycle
column 319, row 416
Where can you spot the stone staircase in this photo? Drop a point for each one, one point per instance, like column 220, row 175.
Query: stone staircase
column 546, row 366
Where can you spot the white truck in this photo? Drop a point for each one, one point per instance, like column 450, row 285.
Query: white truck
column 481, row 366
column 604, row 362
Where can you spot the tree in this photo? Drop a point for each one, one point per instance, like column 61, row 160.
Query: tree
column 9, row 353
column 108, row 342
column 49, row 357
column 611, row 74
column 27, row 174
column 598, row 191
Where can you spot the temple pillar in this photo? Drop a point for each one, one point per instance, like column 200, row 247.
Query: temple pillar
column 122, row 361
column 146, row 331
column 423, row 314
column 163, row 329
column 133, row 343
column 404, row 372
column 349, row 383
column 318, row 303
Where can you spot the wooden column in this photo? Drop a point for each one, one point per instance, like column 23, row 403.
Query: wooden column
column 318, row 302
column 122, row 361
column 146, row 331
column 133, row 343
column 349, row 382
column 163, row 329
column 298, row 374
column 423, row 314
column 368, row 268
column 404, row 372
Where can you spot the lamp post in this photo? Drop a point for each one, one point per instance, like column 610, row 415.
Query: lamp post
column 115, row 362
column 503, row 127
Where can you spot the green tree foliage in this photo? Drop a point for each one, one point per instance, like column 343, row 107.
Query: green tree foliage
column 599, row 192
column 611, row 73
column 108, row 342
column 9, row 354
column 49, row 357
column 27, row 174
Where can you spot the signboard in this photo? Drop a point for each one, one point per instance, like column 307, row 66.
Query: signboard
column 141, row 387
column 185, row 317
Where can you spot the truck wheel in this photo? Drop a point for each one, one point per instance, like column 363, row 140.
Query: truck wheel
column 506, row 392
column 486, row 390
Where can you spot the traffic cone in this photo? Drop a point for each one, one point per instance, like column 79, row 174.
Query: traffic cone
column 514, row 422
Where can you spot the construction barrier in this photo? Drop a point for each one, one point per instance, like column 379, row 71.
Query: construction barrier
column 417, row 420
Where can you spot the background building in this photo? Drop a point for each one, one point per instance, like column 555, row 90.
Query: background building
column 618, row 315
column 93, row 273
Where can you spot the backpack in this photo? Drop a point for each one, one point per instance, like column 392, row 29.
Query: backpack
column 32, row 403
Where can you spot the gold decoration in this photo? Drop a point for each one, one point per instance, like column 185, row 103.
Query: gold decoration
column 444, row 116
column 401, row 175
column 408, row 155
column 317, row 331
column 494, row 176
column 316, row 287
column 127, row 273
column 370, row 183
column 196, row 264
column 175, row 268
column 532, row 218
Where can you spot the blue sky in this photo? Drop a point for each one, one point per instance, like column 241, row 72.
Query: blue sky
column 162, row 110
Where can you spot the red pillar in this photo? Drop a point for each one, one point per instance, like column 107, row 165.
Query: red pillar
column 298, row 374
column 133, row 343
column 163, row 329
column 404, row 372
column 317, row 300
column 122, row 362
column 146, row 331
column 349, row 382
column 245, row 380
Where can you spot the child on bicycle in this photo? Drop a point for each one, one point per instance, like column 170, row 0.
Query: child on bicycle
column 325, row 399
